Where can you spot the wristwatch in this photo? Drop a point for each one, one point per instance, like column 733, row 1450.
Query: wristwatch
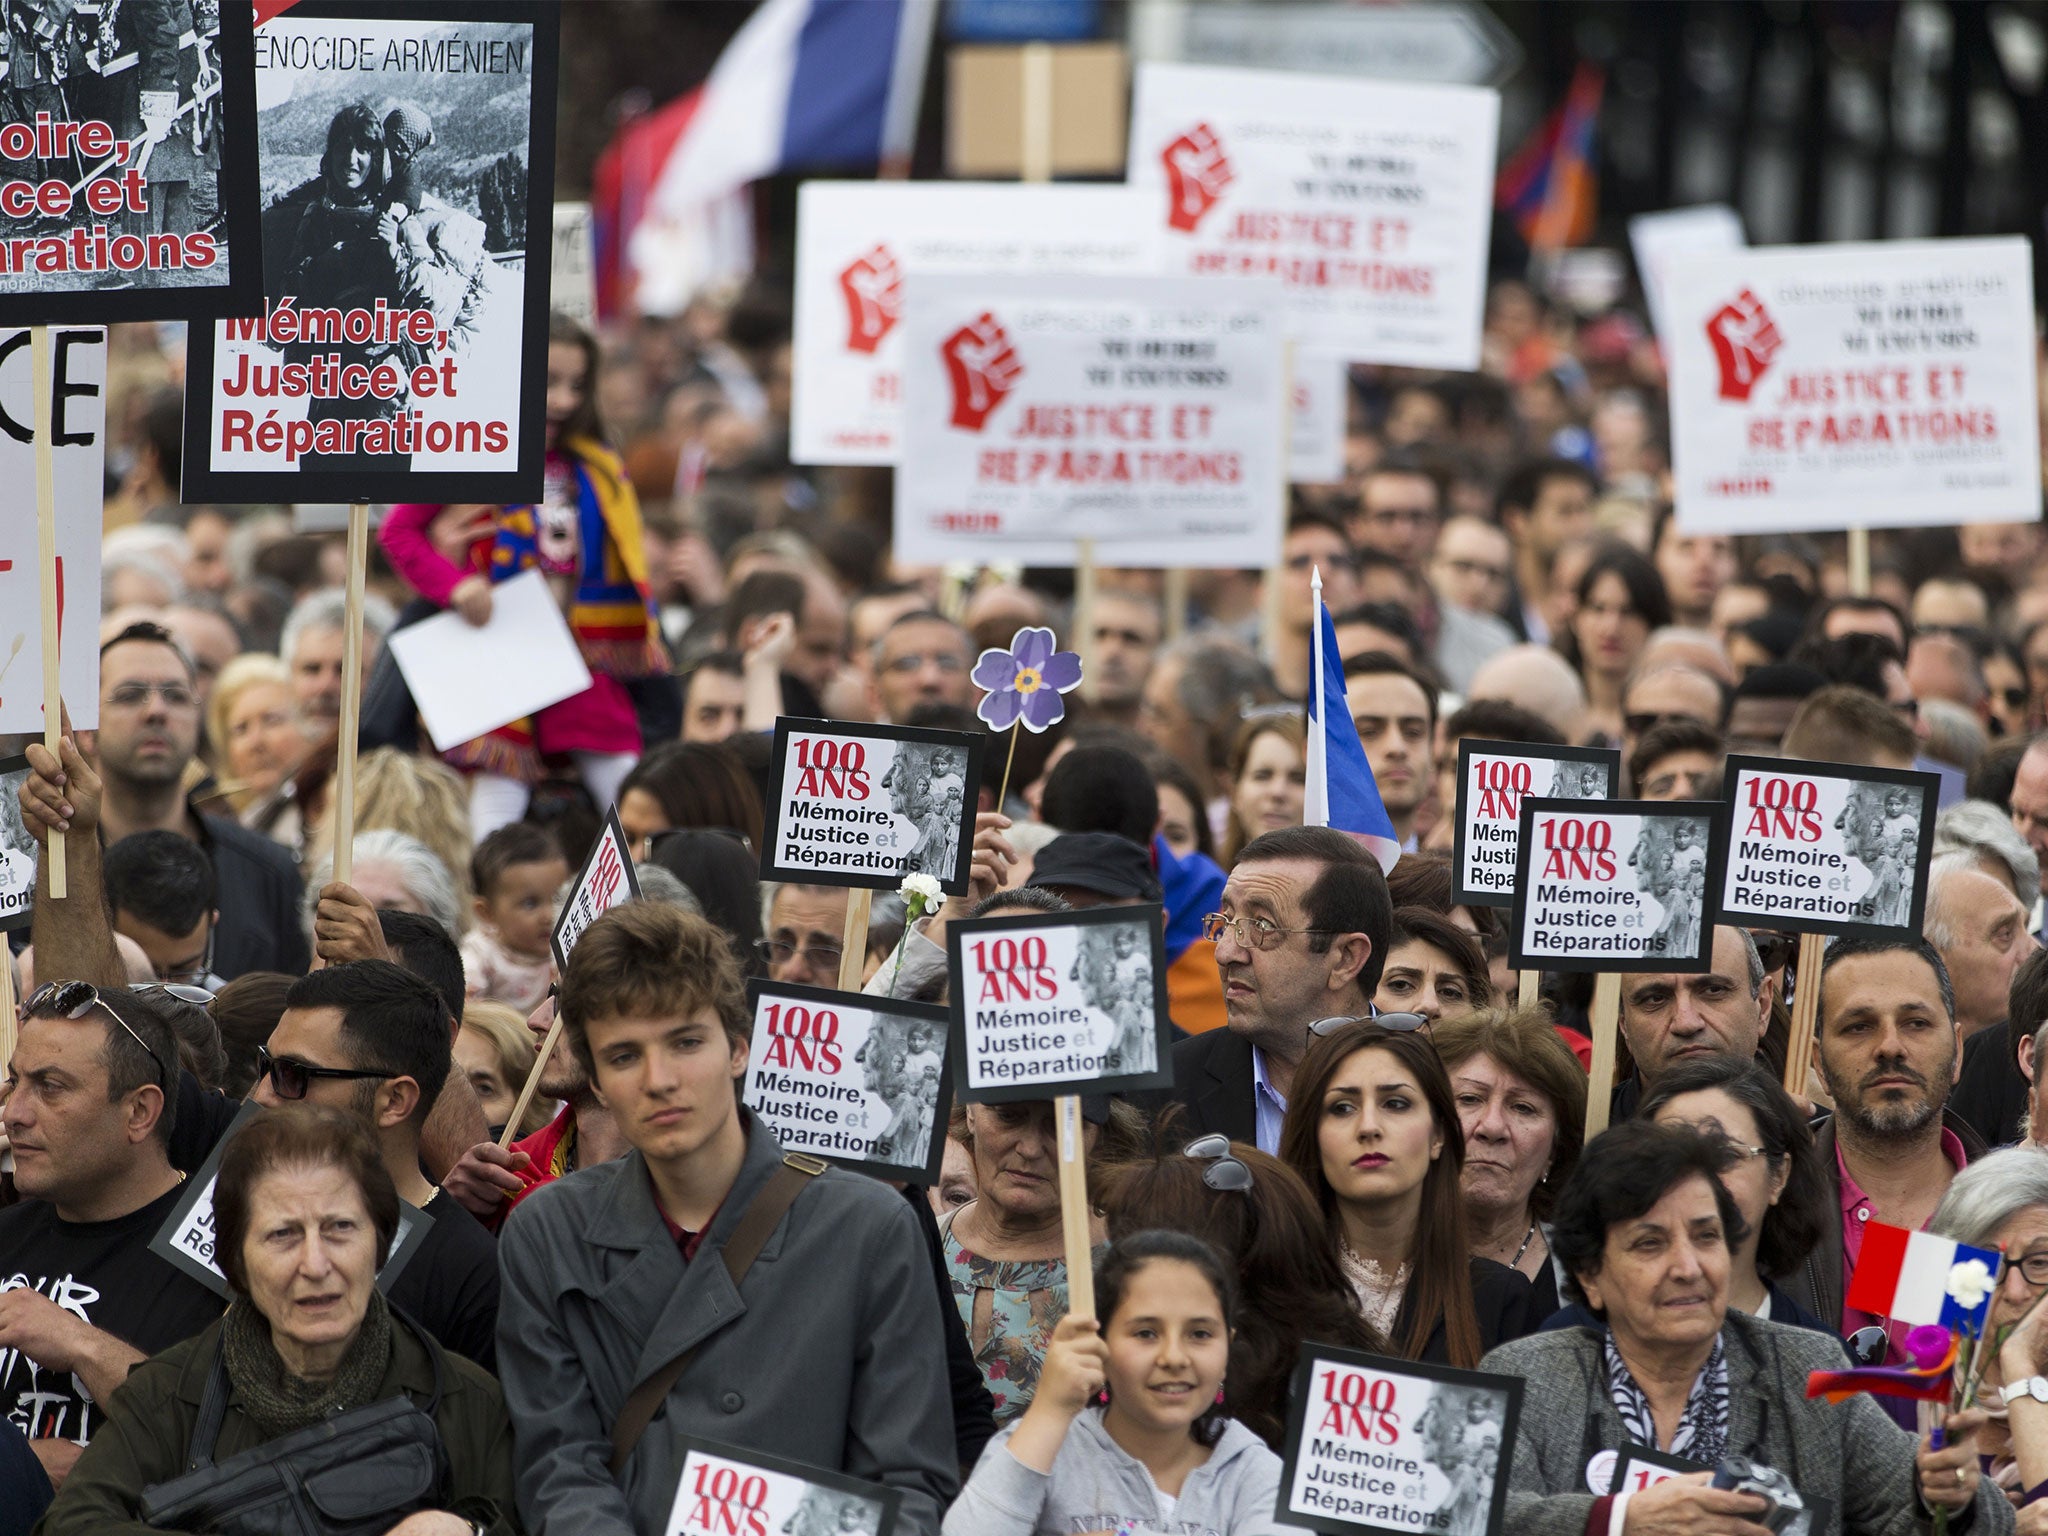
column 2035, row 1387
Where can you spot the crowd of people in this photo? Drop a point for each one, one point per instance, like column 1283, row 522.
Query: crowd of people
column 1367, row 1142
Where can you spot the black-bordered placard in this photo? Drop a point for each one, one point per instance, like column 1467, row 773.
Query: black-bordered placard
column 185, row 1240
column 1396, row 1446
column 1494, row 777
column 18, row 849
column 128, row 165
column 605, row 880
column 1634, row 1468
column 865, row 805
column 725, row 1491
column 857, row 1080
column 405, row 154
column 1825, row 848
column 1046, row 1004
column 1613, row 885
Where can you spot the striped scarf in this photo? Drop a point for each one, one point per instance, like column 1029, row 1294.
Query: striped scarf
column 1703, row 1431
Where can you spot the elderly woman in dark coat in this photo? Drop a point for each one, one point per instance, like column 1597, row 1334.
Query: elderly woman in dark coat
column 1644, row 1231
column 304, row 1217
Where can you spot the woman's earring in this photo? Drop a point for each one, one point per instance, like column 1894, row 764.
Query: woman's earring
column 1102, row 1397
column 1219, row 1397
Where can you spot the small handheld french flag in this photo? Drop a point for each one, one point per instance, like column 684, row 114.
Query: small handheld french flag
column 1919, row 1278
column 1340, row 791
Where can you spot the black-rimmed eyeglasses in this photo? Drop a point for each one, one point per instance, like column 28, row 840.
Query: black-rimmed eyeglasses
column 74, row 1000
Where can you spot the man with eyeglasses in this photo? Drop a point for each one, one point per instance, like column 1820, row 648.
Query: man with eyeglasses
column 1301, row 934
column 372, row 1039
column 806, row 925
column 922, row 658
column 1399, row 504
column 160, row 893
column 148, row 735
column 91, row 1094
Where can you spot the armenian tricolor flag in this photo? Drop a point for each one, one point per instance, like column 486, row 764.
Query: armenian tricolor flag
column 1550, row 185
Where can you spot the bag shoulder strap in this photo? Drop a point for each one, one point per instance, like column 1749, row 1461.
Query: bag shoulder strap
column 756, row 1225
column 213, row 1409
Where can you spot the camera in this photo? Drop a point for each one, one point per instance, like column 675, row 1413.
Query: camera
column 1786, row 1512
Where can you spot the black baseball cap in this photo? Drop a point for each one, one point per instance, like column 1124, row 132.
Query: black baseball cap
column 1101, row 862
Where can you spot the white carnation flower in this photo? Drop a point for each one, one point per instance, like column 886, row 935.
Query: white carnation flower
column 1969, row 1283
column 922, row 893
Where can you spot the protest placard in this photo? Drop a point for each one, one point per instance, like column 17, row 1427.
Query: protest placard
column 17, row 849
column 128, row 165
column 859, row 1081
column 1636, row 1467
column 1059, row 1004
column 1887, row 385
column 1371, row 201
column 186, row 1238
column 1319, row 388
column 1494, row 777
column 572, row 279
column 469, row 679
column 1657, row 237
column 605, row 880
column 857, row 240
column 1144, row 413
column 1388, row 1445
column 78, row 450
column 406, row 155
column 865, row 805
column 1617, row 885
column 724, row 1491
column 1824, row 848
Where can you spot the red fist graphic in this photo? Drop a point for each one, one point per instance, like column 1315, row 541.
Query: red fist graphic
column 1745, row 340
column 1199, row 171
column 872, row 286
column 983, row 368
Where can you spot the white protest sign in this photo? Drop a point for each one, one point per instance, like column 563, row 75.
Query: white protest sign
column 861, row 1081
column 78, row 366
column 1617, row 885
column 469, row 679
column 1372, row 202
column 724, row 1491
column 606, row 880
column 1320, row 394
column 1052, row 1005
column 17, row 849
column 1825, row 847
column 1657, row 237
column 572, row 284
column 1145, row 413
column 1379, row 1444
column 857, row 240
column 865, row 805
column 1494, row 777
column 1881, row 385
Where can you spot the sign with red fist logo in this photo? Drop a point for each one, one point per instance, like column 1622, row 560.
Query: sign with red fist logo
column 1880, row 385
column 858, row 240
column 1371, row 202
column 1145, row 413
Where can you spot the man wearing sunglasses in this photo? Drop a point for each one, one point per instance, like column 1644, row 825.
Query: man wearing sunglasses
column 372, row 1039
column 91, row 1092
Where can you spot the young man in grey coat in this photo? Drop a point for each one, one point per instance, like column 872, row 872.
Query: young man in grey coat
column 829, row 1352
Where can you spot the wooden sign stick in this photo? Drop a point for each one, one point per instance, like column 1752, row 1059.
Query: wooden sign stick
column 1805, row 1011
column 853, row 939
column 1074, row 1206
column 1859, row 562
column 1531, row 987
column 1176, row 601
column 352, row 701
column 1606, row 1021
column 46, row 559
column 1084, row 609
column 547, row 1048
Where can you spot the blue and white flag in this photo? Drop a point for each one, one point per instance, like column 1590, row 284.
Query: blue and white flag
column 1340, row 792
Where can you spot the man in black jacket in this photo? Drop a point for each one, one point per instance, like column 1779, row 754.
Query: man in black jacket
column 1306, row 917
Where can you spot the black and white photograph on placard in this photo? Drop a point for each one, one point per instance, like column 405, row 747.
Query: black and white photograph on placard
column 1494, row 777
column 1048, row 1004
column 405, row 158
column 859, row 1081
column 17, row 849
column 866, row 805
column 1824, row 848
column 1618, row 885
column 723, row 1490
column 127, row 145
column 1378, row 1444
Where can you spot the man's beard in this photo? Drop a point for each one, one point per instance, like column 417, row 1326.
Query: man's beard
column 571, row 1082
column 1889, row 1121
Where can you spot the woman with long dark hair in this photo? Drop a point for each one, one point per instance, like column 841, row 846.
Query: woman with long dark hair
column 1373, row 1129
column 1621, row 600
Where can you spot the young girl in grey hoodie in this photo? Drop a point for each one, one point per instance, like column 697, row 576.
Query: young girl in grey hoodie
column 1126, row 1432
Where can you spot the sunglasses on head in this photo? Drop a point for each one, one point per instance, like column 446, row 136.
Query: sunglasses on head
column 1222, row 1171
column 74, row 1000
column 1399, row 1023
column 289, row 1079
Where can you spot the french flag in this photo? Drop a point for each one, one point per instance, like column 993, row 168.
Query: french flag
column 805, row 85
column 1906, row 1276
column 1340, row 790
